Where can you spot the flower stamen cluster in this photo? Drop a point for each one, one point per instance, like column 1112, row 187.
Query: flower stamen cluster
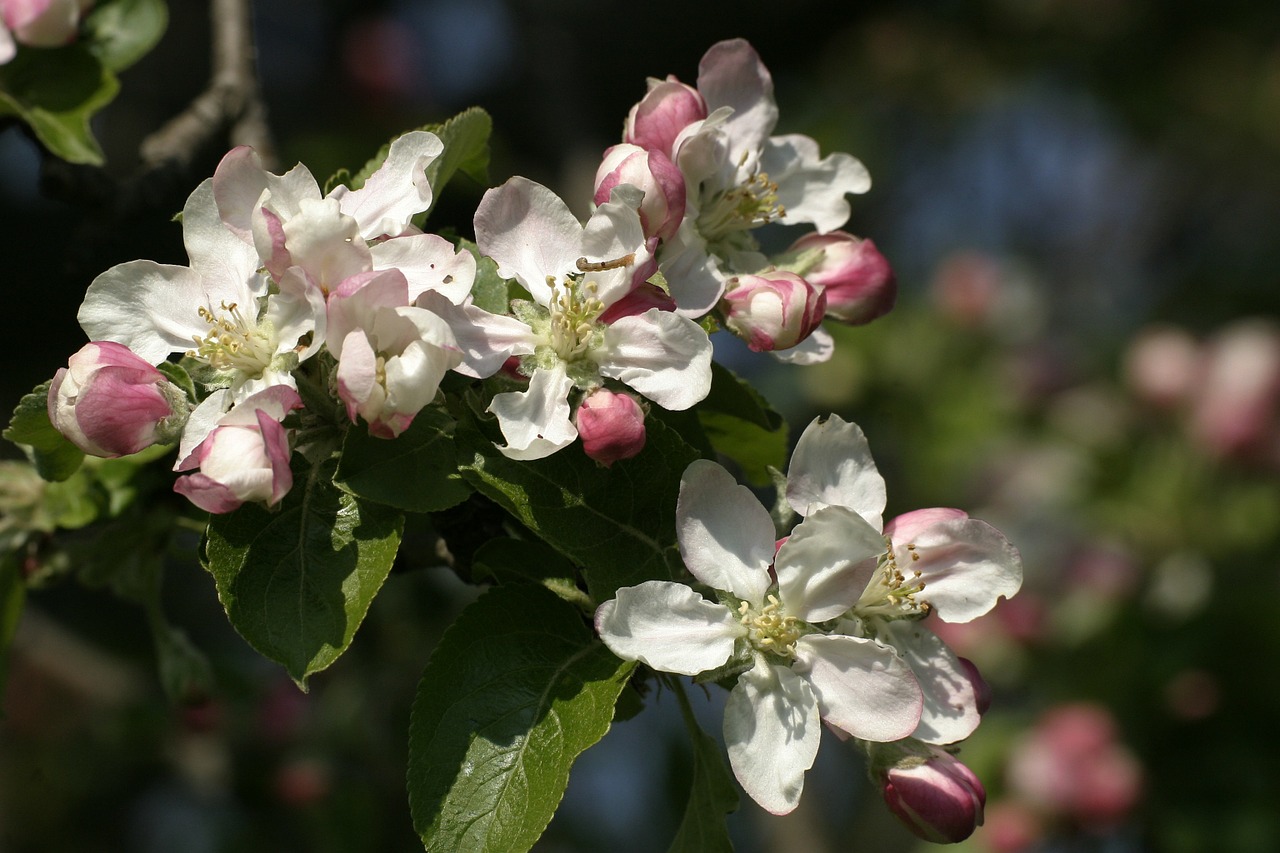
column 741, row 208
column 234, row 341
column 574, row 310
column 891, row 593
column 769, row 629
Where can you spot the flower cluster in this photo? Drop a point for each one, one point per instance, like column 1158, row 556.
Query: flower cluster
column 825, row 626
column 713, row 174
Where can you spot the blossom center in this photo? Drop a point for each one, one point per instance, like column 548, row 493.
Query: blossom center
column 574, row 309
column 745, row 206
column 234, row 341
column 769, row 629
column 892, row 593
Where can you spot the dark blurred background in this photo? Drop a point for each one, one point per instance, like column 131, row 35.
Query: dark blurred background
column 1051, row 178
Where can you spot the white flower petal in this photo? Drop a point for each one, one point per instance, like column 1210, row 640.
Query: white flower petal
column 397, row 190
column 726, row 535
column 950, row 704
column 863, row 688
column 224, row 261
column 772, row 732
column 966, row 566
column 815, row 349
column 204, row 418
column 530, row 232
column 669, row 627
column 239, row 183
column 811, row 189
column 822, row 567
column 429, row 262
column 832, row 466
column 664, row 356
column 150, row 308
column 486, row 340
column 536, row 422
column 695, row 280
column 732, row 75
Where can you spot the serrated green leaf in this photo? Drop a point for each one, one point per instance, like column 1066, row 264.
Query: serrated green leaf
column 490, row 291
column 54, row 456
column 56, row 91
column 297, row 581
column 712, row 795
column 120, row 32
column 518, row 687
column 617, row 523
column 418, row 471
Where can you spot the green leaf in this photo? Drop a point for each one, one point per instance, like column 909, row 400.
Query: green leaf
column 741, row 425
column 518, row 687
column 120, row 32
column 466, row 150
column 712, row 795
column 418, row 471
column 54, row 456
column 56, row 91
column 178, row 375
column 515, row 561
column 490, row 291
column 297, row 581
column 618, row 523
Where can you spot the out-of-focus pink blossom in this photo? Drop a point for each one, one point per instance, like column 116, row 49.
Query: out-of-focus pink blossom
column 109, row 402
column 774, row 310
column 1234, row 411
column 1072, row 764
column 1162, row 366
column 38, row 23
column 610, row 425
column 857, row 280
column 966, row 287
column 933, row 794
column 1010, row 827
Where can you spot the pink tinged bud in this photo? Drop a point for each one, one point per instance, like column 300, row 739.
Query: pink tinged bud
column 244, row 460
column 935, row 796
column 611, row 426
column 669, row 107
column 656, row 176
column 859, row 284
column 41, row 23
column 772, row 311
column 109, row 402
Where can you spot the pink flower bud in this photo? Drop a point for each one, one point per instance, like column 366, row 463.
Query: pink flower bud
column 934, row 795
column 611, row 426
column 859, row 284
column 109, row 402
column 42, row 23
column 772, row 311
column 654, row 174
column 981, row 689
column 245, row 457
column 669, row 107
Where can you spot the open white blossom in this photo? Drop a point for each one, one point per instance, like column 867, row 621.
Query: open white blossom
column 798, row 671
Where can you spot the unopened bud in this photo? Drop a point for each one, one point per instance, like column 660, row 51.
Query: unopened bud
column 773, row 310
column 930, row 791
column 611, row 426
column 109, row 402
column 669, row 107
column 654, row 174
column 858, row 282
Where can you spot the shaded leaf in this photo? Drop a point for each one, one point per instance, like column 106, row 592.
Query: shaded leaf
column 712, row 795
column 120, row 32
column 418, row 471
column 740, row 424
column 518, row 687
column 54, row 456
column 13, row 593
column 297, row 581
column 617, row 523
column 56, row 91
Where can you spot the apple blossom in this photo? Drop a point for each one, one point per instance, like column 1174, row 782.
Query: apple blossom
column 245, row 457
column 768, row 625
column 737, row 176
column 574, row 274
column 654, row 174
column 931, row 561
column 38, row 23
column 610, row 425
column 221, row 310
column 109, row 402
column 391, row 355
column 929, row 790
column 774, row 310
